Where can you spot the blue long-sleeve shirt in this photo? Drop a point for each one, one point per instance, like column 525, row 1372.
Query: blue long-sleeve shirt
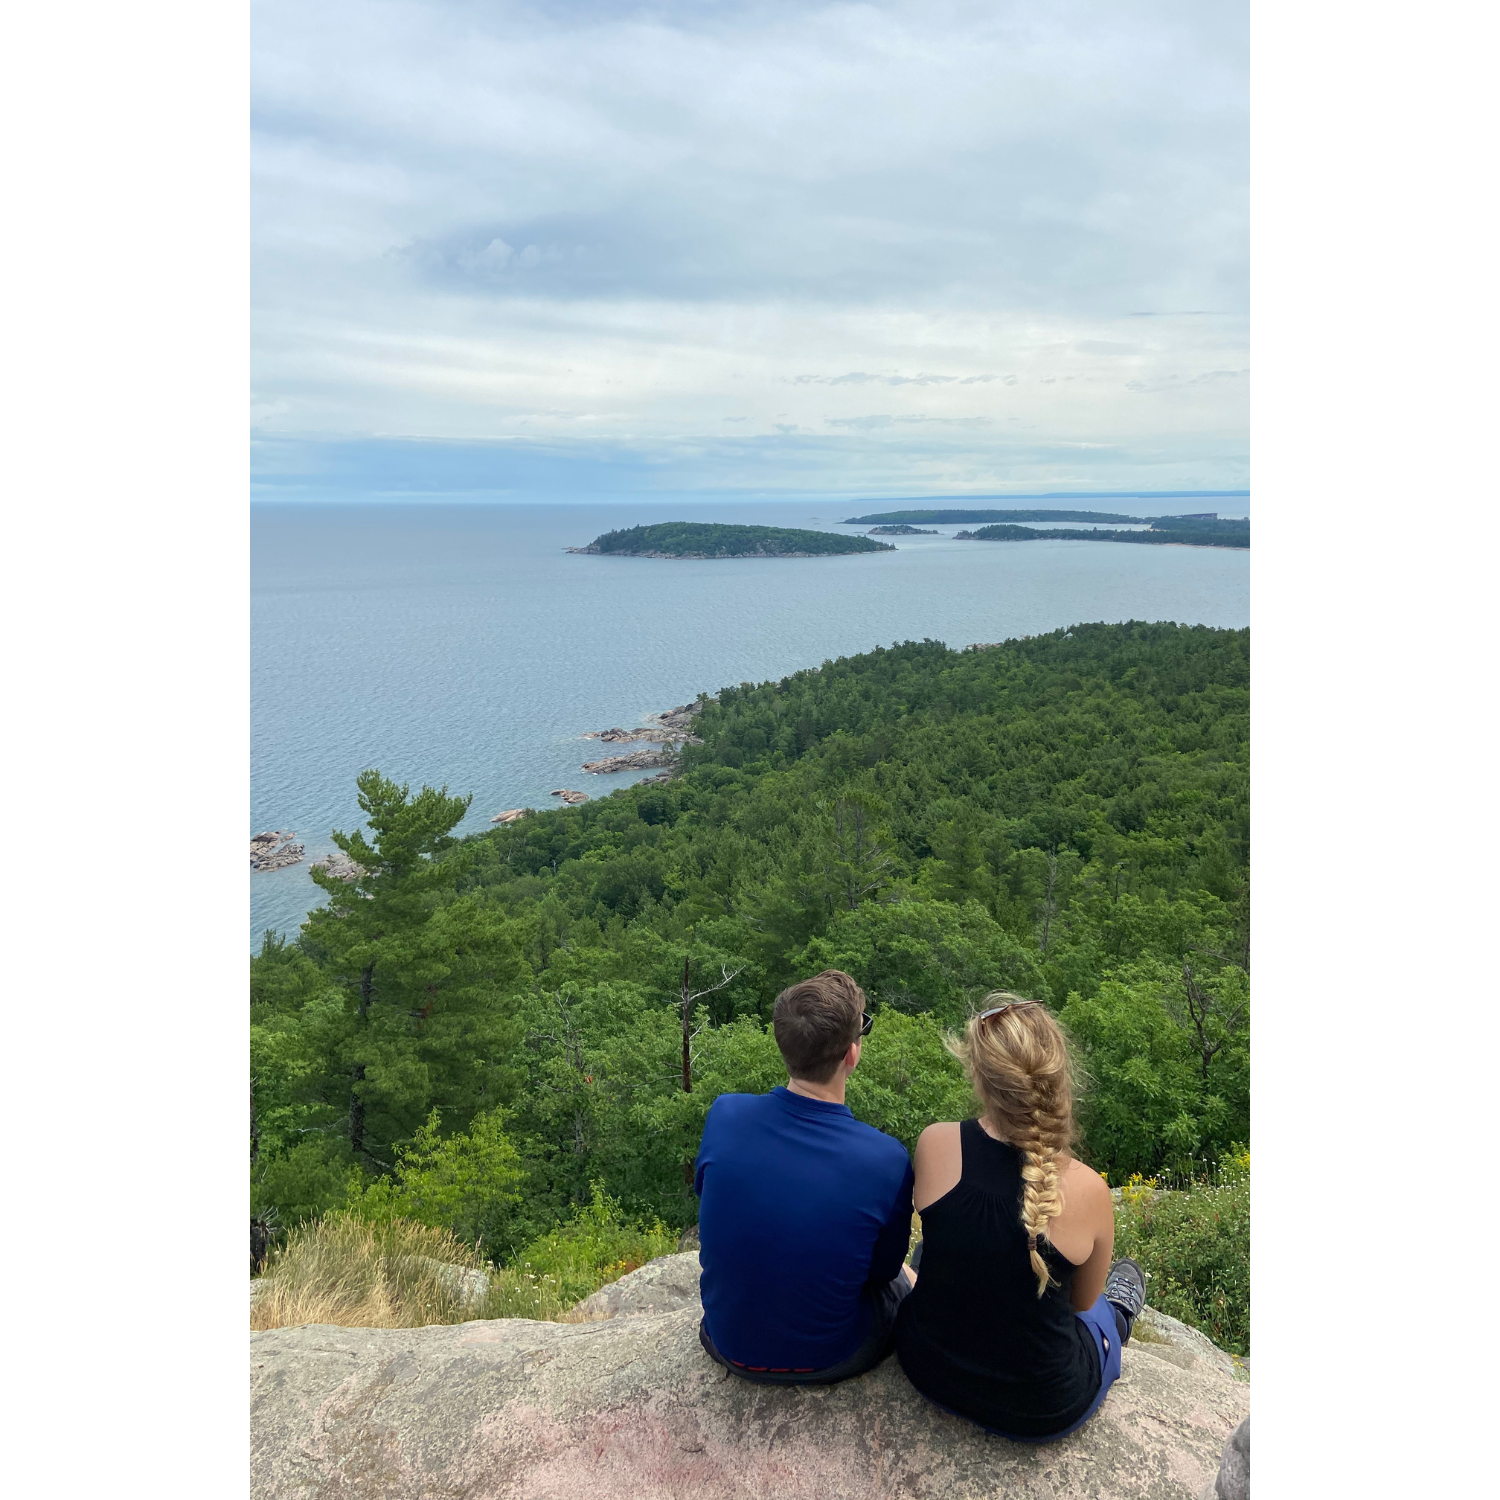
column 804, row 1207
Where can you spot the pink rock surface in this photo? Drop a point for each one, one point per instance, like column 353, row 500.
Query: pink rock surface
column 632, row 1407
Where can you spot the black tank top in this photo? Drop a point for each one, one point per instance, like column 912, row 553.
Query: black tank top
column 973, row 1335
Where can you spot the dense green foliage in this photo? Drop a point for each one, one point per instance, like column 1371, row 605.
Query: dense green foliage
column 1065, row 815
column 1195, row 1248
column 695, row 539
column 962, row 517
column 1165, row 531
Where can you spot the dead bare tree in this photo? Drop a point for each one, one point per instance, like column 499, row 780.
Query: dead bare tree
column 1049, row 900
column 690, row 997
column 1203, row 1007
column 569, row 1039
column 862, row 863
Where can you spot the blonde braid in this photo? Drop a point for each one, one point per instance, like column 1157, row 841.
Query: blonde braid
column 1041, row 1202
column 1018, row 1063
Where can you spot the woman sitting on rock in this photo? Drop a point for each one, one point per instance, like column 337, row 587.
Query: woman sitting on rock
column 1017, row 1317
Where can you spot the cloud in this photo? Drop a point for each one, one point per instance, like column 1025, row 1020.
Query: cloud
column 470, row 221
column 870, row 424
column 859, row 377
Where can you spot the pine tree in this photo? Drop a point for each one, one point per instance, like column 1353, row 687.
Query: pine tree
column 427, row 974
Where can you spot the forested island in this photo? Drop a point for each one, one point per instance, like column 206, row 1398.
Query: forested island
column 1180, row 531
column 514, row 1037
column 699, row 540
column 963, row 517
column 900, row 530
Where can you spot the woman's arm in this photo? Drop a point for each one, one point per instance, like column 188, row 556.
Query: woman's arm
column 938, row 1163
column 1086, row 1192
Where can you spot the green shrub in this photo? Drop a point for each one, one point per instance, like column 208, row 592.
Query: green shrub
column 465, row 1183
column 1194, row 1246
column 300, row 1184
column 599, row 1245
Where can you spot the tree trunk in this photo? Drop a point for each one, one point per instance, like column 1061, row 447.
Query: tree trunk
column 687, row 1032
column 254, row 1128
column 357, row 1112
column 1049, row 907
column 366, row 990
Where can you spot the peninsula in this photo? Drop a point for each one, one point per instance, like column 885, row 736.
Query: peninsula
column 693, row 539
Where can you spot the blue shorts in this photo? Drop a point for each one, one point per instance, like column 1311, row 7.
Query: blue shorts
column 1100, row 1322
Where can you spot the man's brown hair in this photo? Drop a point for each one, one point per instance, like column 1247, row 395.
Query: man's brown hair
column 815, row 1021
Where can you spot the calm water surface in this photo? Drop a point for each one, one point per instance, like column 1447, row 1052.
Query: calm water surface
column 461, row 645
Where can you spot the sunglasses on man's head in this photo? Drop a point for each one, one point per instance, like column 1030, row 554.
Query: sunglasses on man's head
column 999, row 1010
column 865, row 1023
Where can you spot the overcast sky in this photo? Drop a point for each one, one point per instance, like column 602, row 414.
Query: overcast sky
column 574, row 249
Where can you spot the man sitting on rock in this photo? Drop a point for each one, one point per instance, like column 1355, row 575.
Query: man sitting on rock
column 806, row 1212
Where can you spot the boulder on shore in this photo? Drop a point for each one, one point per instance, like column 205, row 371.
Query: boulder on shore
column 339, row 865
column 510, row 815
column 572, row 799
column 631, row 1408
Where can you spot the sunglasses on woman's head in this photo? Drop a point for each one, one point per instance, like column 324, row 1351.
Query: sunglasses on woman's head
column 998, row 1010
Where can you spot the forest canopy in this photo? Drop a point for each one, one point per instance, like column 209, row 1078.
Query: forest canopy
column 489, row 1032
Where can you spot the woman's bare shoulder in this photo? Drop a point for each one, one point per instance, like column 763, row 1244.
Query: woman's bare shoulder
column 938, row 1138
column 1083, row 1184
column 938, row 1163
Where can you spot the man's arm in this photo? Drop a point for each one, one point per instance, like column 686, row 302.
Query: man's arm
column 894, row 1237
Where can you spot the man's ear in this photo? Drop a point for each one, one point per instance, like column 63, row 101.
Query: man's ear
column 851, row 1057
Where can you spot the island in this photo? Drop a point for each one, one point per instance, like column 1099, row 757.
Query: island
column 1169, row 531
column 964, row 517
column 694, row 539
column 572, row 799
column 902, row 530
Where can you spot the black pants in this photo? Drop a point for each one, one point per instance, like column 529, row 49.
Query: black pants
column 878, row 1343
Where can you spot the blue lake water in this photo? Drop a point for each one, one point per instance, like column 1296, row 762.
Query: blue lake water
column 460, row 644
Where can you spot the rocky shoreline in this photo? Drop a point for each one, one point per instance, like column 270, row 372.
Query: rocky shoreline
column 637, row 760
column 669, row 731
column 275, row 850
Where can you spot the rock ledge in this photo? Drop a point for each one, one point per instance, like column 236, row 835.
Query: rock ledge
column 632, row 1409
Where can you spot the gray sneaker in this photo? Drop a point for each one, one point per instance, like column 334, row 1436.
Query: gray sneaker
column 1125, row 1287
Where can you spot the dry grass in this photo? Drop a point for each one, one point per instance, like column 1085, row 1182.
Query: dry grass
column 357, row 1274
